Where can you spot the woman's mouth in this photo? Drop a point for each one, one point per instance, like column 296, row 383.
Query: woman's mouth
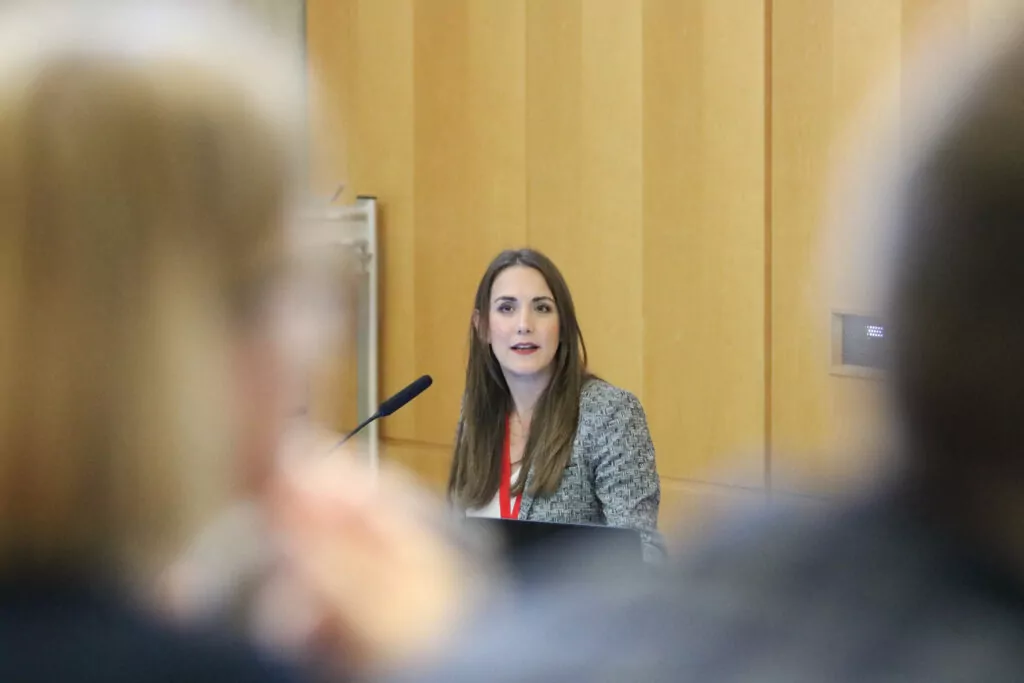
column 525, row 349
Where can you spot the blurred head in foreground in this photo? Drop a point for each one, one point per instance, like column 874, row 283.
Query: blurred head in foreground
column 940, row 221
column 958, row 307
column 145, row 162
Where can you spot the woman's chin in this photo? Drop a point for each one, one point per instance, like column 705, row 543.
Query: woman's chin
column 526, row 370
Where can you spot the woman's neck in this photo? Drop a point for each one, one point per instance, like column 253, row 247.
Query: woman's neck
column 526, row 392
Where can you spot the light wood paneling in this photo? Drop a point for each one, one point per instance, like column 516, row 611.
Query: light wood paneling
column 703, row 234
column 444, row 241
column 470, row 180
column 333, row 387
column 625, row 139
column 828, row 56
column 554, row 64
column 584, row 171
column 690, row 510
column 382, row 153
column 330, row 59
column 825, row 56
column 672, row 156
column 361, row 61
column 427, row 462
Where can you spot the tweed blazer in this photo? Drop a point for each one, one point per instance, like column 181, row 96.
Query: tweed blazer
column 612, row 478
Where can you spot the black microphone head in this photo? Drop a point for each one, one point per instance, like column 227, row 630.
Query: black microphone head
column 405, row 395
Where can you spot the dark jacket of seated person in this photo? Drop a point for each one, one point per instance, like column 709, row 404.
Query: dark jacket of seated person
column 77, row 630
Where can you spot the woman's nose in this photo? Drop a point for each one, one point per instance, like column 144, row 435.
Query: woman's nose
column 525, row 322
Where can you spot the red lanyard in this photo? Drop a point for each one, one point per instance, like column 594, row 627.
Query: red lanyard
column 508, row 510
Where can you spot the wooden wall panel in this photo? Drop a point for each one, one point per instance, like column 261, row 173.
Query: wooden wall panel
column 801, row 137
column 692, row 509
column 470, row 180
column 496, row 138
column 827, row 56
column 382, row 153
column 605, row 262
column 443, row 239
column 828, row 430
column 331, row 72
column 704, row 242
column 672, row 156
column 625, row 139
column 554, row 141
column 333, row 386
column 360, row 59
column 584, row 168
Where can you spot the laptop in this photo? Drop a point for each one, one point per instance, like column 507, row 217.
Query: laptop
column 539, row 549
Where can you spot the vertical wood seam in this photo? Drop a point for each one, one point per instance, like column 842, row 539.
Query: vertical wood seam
column 768, row 247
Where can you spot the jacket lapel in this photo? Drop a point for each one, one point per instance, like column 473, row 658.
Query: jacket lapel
column 527, row 504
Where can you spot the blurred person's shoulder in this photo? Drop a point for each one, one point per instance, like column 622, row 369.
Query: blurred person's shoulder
column 800, row 555
column 864, row 589
column 861, row 590
column 762, row 545
column 78, row 632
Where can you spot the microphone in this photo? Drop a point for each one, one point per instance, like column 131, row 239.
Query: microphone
column 392, row 404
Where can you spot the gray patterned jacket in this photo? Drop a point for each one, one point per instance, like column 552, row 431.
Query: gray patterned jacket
column 612, row 478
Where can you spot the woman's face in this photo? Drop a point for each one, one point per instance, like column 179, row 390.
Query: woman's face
column 523, row 323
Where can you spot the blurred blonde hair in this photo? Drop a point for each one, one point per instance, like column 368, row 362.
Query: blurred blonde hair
column 145, row 158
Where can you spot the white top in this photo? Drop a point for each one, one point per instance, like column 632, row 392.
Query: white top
column 493, row 509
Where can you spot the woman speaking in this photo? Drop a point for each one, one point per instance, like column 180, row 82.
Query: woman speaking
column 540, row 438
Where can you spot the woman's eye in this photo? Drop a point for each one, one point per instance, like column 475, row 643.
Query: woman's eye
column 544, row 308
column 504, row 308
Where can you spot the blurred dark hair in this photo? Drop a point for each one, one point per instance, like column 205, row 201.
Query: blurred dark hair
column 957, row 307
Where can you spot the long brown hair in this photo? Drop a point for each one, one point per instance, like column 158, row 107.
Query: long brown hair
column 476, row 466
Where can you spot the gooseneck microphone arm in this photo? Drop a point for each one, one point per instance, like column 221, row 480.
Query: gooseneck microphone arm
column 364, row 423
column 392, row 404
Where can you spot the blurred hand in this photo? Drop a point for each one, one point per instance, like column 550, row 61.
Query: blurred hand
column 340, row 564
column 370, row 551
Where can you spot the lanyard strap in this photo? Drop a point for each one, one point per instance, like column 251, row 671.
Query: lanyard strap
column 508, row 509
